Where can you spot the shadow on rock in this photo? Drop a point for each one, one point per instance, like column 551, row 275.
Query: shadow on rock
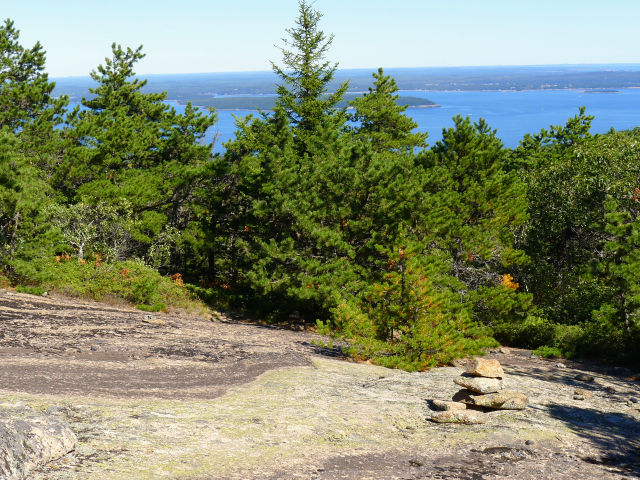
column 616, row 435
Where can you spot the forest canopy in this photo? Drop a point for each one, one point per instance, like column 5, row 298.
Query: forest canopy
column 321, row 215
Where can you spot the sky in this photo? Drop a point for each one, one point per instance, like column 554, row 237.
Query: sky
column 190, row 36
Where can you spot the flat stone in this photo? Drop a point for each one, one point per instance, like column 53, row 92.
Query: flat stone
column 582, row 392
column 485, row 367
column 583, row 377
column 445, row 406
column 457, row 416
column 479, row 384
column 578, row 397
column 504, row 400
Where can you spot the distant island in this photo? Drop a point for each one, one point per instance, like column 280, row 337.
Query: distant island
column 602, row 90
column 268, row 102
column 255, row 90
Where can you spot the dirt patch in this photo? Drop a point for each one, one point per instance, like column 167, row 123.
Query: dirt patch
column 184, row 398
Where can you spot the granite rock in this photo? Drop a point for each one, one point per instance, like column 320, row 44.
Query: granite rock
column 484, row 367
column 504, row 400
column 479, row 384
column 28, row 443
column 458, row 416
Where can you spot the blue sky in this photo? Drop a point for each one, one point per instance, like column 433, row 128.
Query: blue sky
column 215, row 35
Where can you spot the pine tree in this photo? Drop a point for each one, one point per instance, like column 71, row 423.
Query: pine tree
column 381, row 121
column 479, row 212
column 306, row 75
column 29, row 142
column 23, row 192
column 26, row 104
column 128, row 144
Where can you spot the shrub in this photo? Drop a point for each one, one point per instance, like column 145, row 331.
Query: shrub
column 548, row 352
column 30, row 290
column 413, row 318
column 131, row 281
column 532, row 332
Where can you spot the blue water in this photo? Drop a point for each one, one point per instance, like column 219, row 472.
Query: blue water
column 513, row 114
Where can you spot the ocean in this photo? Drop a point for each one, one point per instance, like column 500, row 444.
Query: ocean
column 512, row 113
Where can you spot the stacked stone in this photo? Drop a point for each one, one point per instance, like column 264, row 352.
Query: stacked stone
column 482, row 389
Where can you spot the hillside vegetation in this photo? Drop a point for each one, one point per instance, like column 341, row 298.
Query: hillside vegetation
column 411, row 254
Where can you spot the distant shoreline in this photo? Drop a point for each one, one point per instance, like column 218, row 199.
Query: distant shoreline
column 504, row 90
column 271, row 110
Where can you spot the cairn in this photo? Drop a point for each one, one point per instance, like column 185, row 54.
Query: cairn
column 482, row 391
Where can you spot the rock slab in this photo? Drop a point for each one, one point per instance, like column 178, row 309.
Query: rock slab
column 31, row 442
column 479, row 384
column 457, row 416
column 504, row 400
column 484, row 367
column 444, row 406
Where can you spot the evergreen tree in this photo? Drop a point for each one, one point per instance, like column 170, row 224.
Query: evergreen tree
column 23, row 192
column 306, row 75
column 29, row 143
column 478, row 217
column 381, row 121
column 26, row 104
column 126, row 144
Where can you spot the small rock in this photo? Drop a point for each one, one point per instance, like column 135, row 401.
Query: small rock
column 610, row 389
column 529, row 442
column 504, row 400
column 445, row 406
column 505, row 350
column 578, row 397
column 94, row 348
column 460, row 362
column 479, row 384
column 561, row 365
column 153, row 321
column 485, row 367
column 583, row 377
column 634, row 399
column 457, row 416
column 583, row 393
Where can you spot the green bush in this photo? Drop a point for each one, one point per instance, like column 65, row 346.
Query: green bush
column 569, row 339
column 131, row 281
column 156, row 307
column 30, row 290
column 548, row 352
column 532, row 332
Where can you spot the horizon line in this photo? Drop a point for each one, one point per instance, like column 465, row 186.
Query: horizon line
column 374, row 69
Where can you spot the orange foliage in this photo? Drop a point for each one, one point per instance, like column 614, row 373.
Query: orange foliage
column 177, row 279
column 507, row 281
column 63, row 258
